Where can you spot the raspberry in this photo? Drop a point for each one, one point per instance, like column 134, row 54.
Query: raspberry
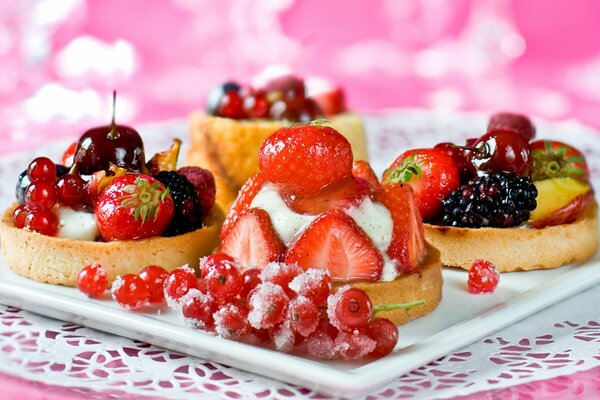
column 204, row 185
column 188, row 212
column 483, row 277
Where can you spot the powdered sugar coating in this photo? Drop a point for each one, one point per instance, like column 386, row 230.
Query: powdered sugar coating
column 223, row 321
column 320, row 345
column 303, row 315
column 353, row 345
column 310, row 284
column 332, row 302
column 203, row 300
column 267, row 304
column 284, row 337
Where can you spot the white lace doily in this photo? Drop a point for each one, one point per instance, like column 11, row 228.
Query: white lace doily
column 557, row 341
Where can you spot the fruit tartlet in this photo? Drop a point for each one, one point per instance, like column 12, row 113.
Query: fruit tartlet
column 238, row 119
column 311, row 206
column 519, row 203
column 109, row 206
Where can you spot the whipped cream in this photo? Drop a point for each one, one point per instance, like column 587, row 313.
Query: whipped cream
column 373, row 218
column 76, row 225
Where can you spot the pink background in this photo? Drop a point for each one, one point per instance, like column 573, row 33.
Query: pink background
column 59, row 61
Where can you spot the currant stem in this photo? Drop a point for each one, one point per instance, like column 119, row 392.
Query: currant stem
column 114, row 133
column 397, row 306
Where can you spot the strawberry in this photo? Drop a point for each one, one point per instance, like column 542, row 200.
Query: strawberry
column 432, row 173
column 349, row 191
column 245, row 196
column 301, row 160
column 133, row 206
column 408, row 242
column 335, row 242
column 567, row 214
column 362, row 169
column 252, row 239
column 553, row 159
column 331, row 102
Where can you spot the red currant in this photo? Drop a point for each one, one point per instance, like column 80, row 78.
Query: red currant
column 385, row 334
column 178, row 283
column 70, row 191
column 350, row 308
column 281, row 274
column 256, row 104
column 232, row 106
column 224, row 281
column 501, row 151
column 130, row 291
column 42, row 220
column 231, row 320
column 19, row 214
column 314, row 284
column 321, row 343
column 267, row 304
column 155, row 276
column 209, row 262
column 303, row 316
column 251, row 278
column 42, row 169
column 483, row 277
column 197, row 309
column 41, row 193
column 92, row 280
column 354, row 345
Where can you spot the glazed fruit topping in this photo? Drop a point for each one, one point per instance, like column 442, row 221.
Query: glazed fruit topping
column 42, row 194
column 517, row 123
column 483, row 277
column 203, row 182
column 501, row 151
column 553, row 159
column 71, row 191
column 460, row 156
column 92, row 280
column 19, row 214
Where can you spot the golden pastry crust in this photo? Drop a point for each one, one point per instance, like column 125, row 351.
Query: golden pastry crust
column 58, row 261
column 229, row 148
column 425, row 285
column 513, row 249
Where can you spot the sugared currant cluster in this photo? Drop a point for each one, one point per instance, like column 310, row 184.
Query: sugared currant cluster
column 39, row 189
column 282, row 98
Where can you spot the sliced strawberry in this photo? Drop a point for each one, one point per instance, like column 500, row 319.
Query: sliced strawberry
column 567, row 214
column 243, row 201
column 362, row 169
column 252, row 239
column 334, row 241
column 408, row 241
column 348, row 191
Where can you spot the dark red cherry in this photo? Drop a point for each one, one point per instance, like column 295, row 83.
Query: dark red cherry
column 501, row 151
column 460, row 157
column 512, row 122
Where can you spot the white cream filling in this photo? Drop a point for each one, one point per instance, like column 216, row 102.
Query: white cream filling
column 76, row 225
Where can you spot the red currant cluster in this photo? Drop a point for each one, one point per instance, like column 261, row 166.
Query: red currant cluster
column 42, row 192
column 282, row 98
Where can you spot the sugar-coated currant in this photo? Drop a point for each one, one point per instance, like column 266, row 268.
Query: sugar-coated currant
column 385, row 334
column 92, row 280
column 350, row 308
column 483, row 277
column 130, row 291
column 154, row 276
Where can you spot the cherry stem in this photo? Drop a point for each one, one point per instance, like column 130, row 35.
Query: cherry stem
column 481, row 151
column 397, row 306
column 114, row 133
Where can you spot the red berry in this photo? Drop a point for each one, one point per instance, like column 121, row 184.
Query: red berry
column 42, row 169
column 41, row 193
column 385, row 334
column 197, row 309
column 231, row 320
column 251, row 279
column 69, row 155
column 19, row 214
column 501, row 151
column 92, row 280
column 71, row 190
column 483, row 277
column 42, row 220
column 267, row 304
column 155, row 276
column 459, row 155
column 303, row 316
column 304, row 159
column 321, row 343
column 204, row 184
column 281, row 274
column 350, row 308
column 362, row 169
column 210, row 262
column 130, row 291
column 178, row 283
column 314, row 284
column 354, row 345
column 232, row 106
column 517, row 123
column 224, row 281
column 256, row 104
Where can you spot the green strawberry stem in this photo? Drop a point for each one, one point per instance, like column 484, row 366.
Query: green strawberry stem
column 397, row 306
column 113, row 134
column 405, row 171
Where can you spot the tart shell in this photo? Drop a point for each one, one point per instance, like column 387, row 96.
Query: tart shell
column 58, row 261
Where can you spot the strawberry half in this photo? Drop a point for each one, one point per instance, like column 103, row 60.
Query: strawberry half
column 334, row 241
column 252, row 239
column 362, row 169
column 245, row 196
column 408, row 240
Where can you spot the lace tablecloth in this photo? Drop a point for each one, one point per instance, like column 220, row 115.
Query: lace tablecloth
column 546, row 347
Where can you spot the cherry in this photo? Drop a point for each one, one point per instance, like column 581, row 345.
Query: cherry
column 42, row 220
column 213, row 100
column 350, row 308
column 178, row 283
column 385, row 334
column 69, row 154
column 501, row 151
column 117, row 144
column 197, row 309
column 19, row 214
column 42, row 169
column 155, row 276
column 314, row 284
column 267, row 305
column 92, row 280
column 251, row 278
column 483, row 277
column 130, row 291
column 41, row 193
column 210, row 262
column 460, row 157
column 303, row 316
column 224, row 281
column 231, row 320
column 71, row 191
column 517, row 123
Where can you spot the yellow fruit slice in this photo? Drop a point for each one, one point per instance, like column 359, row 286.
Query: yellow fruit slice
column 555, row 193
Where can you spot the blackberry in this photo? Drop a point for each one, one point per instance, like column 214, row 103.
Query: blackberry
column 188, row 212
column 497, row 200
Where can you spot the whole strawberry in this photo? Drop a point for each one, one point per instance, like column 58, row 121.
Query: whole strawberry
column 302, row 160
column 553, row 159
column 432, row 173
column 133, row 206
